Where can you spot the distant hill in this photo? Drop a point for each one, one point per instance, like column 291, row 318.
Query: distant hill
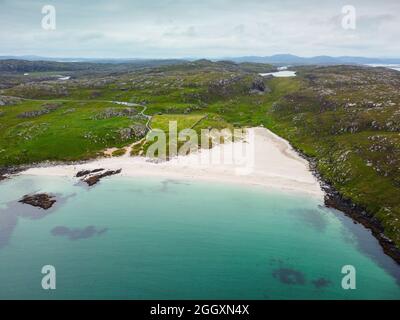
column 284, row 59
column 92, row 60
column 277, row 59
column 13, row 66
column 20, row 65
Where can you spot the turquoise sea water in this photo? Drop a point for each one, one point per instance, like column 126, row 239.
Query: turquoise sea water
column 131, row 238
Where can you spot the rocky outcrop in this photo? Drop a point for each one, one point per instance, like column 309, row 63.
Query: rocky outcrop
column 41, row 200
column 92, row 180
column 226, row 87
column 7, row 101
column 7, row 172
column 258, row 87
column 47, row 108
column 83, row 173
column 115, row 112
column 126, row 133
column 136, row 130
column 39, row 90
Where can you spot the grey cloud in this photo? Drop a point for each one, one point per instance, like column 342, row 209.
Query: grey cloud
column 209, row 28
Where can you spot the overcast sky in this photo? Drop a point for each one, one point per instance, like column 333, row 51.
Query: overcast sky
column 201, row 28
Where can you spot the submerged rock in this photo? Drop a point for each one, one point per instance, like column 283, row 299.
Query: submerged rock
column 41, row 200
column 77, row 233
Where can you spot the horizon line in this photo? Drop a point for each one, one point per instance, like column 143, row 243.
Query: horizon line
column 194, row 57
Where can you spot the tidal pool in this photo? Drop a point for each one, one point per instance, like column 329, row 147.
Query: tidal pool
column 280, row 74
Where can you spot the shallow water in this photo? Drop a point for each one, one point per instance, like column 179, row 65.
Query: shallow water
column 280, row 74
column 133, row 238
column 390, row 66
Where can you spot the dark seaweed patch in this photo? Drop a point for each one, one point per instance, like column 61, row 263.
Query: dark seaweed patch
column 8, row 222
column 77, row 233
column 289, row 276
column 167, row 182
column 321, row 283
column 312, row 218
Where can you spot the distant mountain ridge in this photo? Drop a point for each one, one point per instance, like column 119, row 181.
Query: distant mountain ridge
column 41, row 65
column 89, row 60
column 318, row 60
column 277, row 59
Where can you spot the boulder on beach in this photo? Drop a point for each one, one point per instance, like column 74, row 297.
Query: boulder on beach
column 92, row 180
column 87, row 172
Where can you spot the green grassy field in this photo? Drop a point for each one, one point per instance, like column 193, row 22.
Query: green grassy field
column 71, row 132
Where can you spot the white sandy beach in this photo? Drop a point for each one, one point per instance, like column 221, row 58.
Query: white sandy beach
column 270, row 162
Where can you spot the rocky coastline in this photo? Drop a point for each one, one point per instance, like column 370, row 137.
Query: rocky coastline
column 7, row 172
column 333, row 199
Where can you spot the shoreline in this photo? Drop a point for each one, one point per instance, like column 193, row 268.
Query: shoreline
column 277, row 166
column 334, row 199
column 269, row 162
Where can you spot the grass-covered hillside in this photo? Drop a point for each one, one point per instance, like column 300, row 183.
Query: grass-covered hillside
column 347, row 117
column 44, row 116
